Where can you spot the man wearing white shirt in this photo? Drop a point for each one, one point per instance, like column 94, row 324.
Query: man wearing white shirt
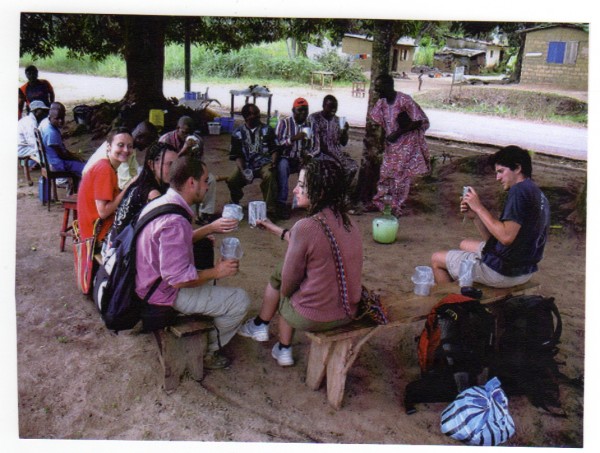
column 26, row 142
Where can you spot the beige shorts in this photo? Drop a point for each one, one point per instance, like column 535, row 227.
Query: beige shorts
column 481, row 272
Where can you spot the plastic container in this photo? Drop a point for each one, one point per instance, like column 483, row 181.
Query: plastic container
column 233, row 211
column 231, row 249
column 81, row 114
column 423, row 280
column 465, row 273
column 227, row 124
column 214, row 128
column 157, row 117
column 190, row 95
column 41, row 193
column 385, row 229
column 257, row 210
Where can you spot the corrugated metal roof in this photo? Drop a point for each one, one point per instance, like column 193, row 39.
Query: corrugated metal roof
column 404, row 41
column 461, row 52
column 546, row 26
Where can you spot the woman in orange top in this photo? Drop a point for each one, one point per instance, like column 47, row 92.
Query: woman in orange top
column 99, row 195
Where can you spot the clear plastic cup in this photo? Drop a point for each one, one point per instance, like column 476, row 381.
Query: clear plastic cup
column 231, row 249
column 257, row 210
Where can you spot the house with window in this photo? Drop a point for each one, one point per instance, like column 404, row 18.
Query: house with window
column 556, row 55
column 360, row 49
column 473, row 54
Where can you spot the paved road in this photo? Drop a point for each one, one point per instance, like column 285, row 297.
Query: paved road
column 570, row 142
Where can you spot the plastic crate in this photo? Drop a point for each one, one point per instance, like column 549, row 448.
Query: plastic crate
column 214, row 128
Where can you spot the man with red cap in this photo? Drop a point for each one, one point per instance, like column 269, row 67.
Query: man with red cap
column 293, row 140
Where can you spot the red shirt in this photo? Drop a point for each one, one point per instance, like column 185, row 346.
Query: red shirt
column 99, row 183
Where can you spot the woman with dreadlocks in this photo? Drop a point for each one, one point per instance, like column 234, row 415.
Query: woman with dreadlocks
column 152, row 182
column 324, row 243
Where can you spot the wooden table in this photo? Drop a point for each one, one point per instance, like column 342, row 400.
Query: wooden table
column 323, row 78
column 333, row 352
column 248, row 94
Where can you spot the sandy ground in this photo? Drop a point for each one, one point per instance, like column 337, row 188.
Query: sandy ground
column 77, row 380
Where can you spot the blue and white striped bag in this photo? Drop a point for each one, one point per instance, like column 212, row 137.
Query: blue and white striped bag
column 479, row 416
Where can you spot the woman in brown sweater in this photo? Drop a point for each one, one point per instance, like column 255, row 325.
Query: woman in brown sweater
column 306, row 289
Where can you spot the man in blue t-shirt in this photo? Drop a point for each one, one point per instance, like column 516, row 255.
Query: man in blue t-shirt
column 514, row 243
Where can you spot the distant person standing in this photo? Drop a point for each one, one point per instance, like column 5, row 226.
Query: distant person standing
column 406, row 154
column 35, row 90
column 420, row 79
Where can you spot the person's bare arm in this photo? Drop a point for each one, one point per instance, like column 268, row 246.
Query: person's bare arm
column 224, row 268
column 504, row 231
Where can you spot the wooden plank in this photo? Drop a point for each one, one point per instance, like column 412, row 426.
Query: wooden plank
column 405, row 308
column 190, row 328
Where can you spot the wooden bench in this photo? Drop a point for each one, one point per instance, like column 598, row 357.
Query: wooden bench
column 182, row 347
column 332, row 353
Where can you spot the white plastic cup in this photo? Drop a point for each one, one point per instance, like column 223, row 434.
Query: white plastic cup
column 422, row 289
column 231, row 249
column 257, row 210
column 342, row 120
column 465, row 273
column 233, row 211
column 423, row 280
column 308, row 132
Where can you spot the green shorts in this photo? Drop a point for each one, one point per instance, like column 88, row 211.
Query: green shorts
column 295, row 319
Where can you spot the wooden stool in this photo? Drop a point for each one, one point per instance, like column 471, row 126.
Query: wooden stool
column 182, row 347
column 69, row 204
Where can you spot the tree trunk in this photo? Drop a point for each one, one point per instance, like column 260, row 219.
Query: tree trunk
column 368, row 176
column 145, row 59
column 516, row 75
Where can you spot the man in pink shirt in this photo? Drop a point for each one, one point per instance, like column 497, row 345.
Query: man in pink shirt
column 164, row 250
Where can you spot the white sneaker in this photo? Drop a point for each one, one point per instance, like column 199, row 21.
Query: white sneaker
column 283, row 355
column 251, row 330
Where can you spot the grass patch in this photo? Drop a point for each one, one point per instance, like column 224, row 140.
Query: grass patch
column 510, row 103
column 266, row 64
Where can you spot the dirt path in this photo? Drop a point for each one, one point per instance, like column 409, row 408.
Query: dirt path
column 78, row 381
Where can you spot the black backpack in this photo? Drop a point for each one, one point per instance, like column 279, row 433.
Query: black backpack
column 525, row 362
column 454, row 350
column 114, row 290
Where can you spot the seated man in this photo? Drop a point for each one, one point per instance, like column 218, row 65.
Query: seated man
column 513, row 244
column 59, row 157
column 254, row 151
column 26, row 142
column 329, row 138
column 184, row 139
column 164, row 250
column 144, row 135
column 292, row 142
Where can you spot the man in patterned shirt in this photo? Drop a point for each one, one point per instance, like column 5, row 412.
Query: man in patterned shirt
column 329, row 138
column 254, row 151
column 293, row 143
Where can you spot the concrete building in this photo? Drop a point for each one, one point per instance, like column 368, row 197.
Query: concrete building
column 360, row 49
column 556, row 55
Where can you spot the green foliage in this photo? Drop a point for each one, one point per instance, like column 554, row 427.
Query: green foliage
column 342, row 67
column 424, row 55
column 260, row 62
column 506, row 102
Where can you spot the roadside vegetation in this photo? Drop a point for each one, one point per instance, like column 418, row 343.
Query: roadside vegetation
column 509, row 103
column 270, row 65
column 265, row 64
